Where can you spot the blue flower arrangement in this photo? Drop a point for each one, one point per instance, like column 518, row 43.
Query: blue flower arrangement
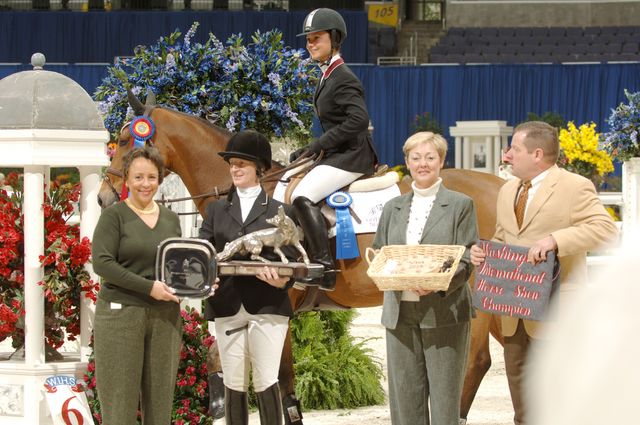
column 621, row 142
column 263, row 85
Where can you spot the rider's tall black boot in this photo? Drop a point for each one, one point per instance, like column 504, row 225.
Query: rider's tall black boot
column 270, row 406
column 316, row 240
column 236, row 407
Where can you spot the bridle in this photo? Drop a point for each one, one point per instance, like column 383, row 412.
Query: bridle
column 216, row 192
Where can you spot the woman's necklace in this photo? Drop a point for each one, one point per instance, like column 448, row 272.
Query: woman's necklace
column 152, row 210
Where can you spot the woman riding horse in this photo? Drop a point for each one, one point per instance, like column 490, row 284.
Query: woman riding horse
column 346, row 142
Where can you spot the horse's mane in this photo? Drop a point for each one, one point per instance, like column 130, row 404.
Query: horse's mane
column 200, row 120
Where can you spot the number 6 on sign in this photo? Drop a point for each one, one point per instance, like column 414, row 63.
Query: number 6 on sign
column 67, row 401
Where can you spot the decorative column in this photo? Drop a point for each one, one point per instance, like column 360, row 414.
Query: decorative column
column 630, row 195
column 89, row 215
column 33, row 272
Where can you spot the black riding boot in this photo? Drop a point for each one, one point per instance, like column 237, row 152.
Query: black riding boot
column 317, row 242
column 236, row 407
column 270, row 406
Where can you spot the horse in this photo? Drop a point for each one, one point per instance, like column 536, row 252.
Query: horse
column 189, row 146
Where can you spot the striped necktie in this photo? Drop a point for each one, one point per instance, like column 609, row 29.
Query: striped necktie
column 521, row 203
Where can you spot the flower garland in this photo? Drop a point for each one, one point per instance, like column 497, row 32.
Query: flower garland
column 263, row 85
column 579, row 151
column 65, row 255
column 621, row 141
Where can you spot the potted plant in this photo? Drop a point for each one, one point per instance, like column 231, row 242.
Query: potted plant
column 621, row 141
column 262, row 85
column 580, row 152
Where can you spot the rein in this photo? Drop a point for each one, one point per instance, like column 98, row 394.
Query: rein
column 302, row 160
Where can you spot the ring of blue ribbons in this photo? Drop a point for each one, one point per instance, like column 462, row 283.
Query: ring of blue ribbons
column 346, row 242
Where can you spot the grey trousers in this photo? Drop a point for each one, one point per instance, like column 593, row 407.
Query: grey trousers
column 426, row 369
column 137, row 351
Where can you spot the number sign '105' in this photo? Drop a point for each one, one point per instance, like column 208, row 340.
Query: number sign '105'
column 384, row 14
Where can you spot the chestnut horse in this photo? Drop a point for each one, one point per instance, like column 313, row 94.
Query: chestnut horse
column 189, row 146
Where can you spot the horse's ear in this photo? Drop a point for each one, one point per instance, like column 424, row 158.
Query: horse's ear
column 136, row 105
column 151, row 98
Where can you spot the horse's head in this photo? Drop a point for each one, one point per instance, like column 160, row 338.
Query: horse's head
column 113, row 182
column 189, row 147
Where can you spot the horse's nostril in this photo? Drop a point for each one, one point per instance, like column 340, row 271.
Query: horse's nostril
column 100, row 201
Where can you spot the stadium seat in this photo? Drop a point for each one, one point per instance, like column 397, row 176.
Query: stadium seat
column 630, row 47
column 574, row 31
column 556, row 32
column 538, row 44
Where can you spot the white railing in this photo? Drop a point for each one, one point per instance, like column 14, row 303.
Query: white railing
column 396, row 60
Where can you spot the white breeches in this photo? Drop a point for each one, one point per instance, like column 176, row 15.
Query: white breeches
column 250, row 341
column 319, row 183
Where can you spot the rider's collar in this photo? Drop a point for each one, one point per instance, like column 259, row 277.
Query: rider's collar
column 325, row 65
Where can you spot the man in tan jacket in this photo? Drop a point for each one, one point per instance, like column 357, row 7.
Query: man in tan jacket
column 562, row 213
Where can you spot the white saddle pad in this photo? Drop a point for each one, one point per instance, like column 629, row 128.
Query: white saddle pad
column 368, row 207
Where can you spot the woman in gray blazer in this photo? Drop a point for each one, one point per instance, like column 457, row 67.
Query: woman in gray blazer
column 427, row 333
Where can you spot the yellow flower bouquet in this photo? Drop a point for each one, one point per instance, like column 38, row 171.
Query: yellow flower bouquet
column 579, row 151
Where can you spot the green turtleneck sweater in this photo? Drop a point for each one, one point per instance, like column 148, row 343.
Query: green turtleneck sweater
column 124, row 252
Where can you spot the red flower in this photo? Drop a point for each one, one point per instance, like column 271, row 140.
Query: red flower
column 63, row 261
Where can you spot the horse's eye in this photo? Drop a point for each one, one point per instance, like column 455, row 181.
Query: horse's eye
column 123, row 142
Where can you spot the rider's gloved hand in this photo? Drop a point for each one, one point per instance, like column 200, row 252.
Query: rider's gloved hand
column 297, row 154
column 315, row 148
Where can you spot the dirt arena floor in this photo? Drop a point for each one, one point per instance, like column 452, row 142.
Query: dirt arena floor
column 492, row 405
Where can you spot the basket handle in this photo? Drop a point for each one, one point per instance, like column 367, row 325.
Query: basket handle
column 369, row 252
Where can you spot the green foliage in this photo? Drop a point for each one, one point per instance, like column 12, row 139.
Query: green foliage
column 551, row 118
column 426, row 122
column 332, row 369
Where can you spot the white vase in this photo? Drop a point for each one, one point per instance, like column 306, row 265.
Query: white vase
column 631, row 195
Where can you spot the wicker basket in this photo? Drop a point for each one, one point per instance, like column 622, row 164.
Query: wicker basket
column 409, row 267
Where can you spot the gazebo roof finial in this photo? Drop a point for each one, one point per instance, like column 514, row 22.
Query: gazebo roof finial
column 38, row 60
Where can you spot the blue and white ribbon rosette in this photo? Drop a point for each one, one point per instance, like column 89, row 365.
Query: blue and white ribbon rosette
column 142, row 129
column 346, row 242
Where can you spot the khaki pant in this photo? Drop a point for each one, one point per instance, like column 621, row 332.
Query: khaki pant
column 137, row 351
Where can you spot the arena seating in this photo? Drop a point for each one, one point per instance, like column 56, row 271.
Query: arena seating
column 537, row 45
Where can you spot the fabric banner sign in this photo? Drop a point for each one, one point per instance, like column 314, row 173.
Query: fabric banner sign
column 507, row 285
column 67, row 401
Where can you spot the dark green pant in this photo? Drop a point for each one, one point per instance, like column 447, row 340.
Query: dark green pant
column 137, row 351
column 426, row 369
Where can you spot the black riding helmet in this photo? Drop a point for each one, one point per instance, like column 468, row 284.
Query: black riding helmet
column 251, row 145
column 324, row 19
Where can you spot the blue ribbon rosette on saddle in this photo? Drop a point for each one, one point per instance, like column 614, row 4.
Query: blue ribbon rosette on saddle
column 142, row 129
column 346, row 242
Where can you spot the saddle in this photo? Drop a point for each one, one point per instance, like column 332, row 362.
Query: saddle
column 381, row 179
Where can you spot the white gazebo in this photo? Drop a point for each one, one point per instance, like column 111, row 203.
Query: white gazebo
column 479, row 144
column 46, row 120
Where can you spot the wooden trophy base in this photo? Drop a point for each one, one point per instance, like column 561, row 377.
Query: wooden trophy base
column 252, row 268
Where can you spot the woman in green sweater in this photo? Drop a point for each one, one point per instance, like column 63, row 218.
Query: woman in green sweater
column 137, row 330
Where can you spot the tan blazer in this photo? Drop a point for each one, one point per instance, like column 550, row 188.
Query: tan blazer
column 567, row 207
